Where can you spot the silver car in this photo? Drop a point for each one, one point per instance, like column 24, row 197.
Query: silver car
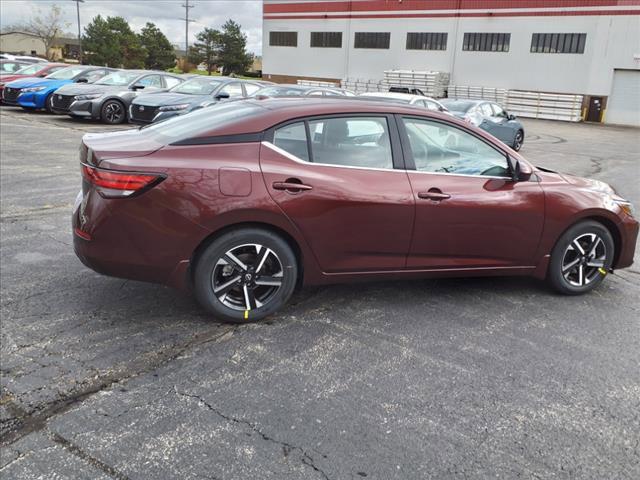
column 109, row 98
column 490, row 117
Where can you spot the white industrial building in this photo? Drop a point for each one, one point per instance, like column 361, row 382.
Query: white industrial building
column 587, row 48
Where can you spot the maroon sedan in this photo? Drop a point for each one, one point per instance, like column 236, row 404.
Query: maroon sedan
column 245, row 200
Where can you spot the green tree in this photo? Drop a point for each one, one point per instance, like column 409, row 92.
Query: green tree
column 160, row 53
column 205, row 49
column 111, row 42
column 232, row 53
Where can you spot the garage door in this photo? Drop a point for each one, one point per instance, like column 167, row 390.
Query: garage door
column 624, row 103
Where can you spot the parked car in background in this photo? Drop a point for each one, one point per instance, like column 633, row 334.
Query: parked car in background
column 293, row 90
column 490, row 117
column 407, row 98
column 37, row 93
column 109, row 98
column 195, row 93
column 12, row 66
column 22, row 58
column 38, row 70
column 268, row 194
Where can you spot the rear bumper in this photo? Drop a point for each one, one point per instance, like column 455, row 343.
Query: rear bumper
column 118, row 238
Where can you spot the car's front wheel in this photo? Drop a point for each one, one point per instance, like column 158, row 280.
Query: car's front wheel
column 581, row 258
column 113, row 112
column 245, row 275
column 48, row 103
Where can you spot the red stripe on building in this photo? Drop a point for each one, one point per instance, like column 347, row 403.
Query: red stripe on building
column 462, row 15
column 396, row 6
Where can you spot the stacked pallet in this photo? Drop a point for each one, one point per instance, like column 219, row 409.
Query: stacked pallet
column 433, row 84
column 549, row 106
column 317, row 83
column 364, row 85
column 498, row 95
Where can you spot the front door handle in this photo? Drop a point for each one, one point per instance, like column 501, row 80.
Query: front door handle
column 433, row 195
column 291, row 186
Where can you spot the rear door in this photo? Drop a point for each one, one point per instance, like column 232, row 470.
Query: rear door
column 340, row 180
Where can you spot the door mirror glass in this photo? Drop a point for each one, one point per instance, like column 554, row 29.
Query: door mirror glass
column 442, row 148
column 82, row 80
column 222, row 96
column 510, row 116
column 137, row 86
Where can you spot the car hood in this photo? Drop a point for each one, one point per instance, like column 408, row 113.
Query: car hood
column 580, row 182
column 169, row 98
column 89, row 89
column 37, row 82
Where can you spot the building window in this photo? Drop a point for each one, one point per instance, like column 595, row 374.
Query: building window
column 426, row 41
column 558, row 42
column 372, row 40
column 283, row 39
column 326, row 39
column 486, row 42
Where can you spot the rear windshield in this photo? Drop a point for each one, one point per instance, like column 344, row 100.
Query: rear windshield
column 205, row 120
column 197, row 86
column 67, row 73
column 458, row 105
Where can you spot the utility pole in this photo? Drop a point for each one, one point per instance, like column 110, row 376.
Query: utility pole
column 78, row 2
column 186, row 26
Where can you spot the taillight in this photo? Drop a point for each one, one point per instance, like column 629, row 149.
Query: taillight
column 117, row 184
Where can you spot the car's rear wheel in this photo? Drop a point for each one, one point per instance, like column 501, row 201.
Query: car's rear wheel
column 518, row 140
column 581, row 258
column 245, row 275
column 113, row 112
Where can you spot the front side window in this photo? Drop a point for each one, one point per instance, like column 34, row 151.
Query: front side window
column 30, row 70
column 197, row 86
column 293, row 139
column 118, row 78
column 498, row 111
column 440, row 148
column 485, row 109
column 234, row 90
column 94, row 75
column 68, row 73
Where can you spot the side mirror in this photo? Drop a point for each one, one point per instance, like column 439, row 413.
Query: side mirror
column 519, row 172
column 222, row 96
column 82, row 80
column 137, row 86
column 510, row 116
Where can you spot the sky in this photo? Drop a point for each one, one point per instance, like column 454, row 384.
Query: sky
column 168, row 15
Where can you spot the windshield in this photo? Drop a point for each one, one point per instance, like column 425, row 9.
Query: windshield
column 200, row 121
column 458, row 105
column 67, row 73
column 279, row 92
column 30, row 70
column 197, row 86
column 119, row 78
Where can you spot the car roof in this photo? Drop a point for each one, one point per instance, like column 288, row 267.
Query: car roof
column 398, row 95
column 468, row 100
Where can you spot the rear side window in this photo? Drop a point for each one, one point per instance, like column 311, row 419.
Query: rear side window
column 171, row 82
column 233, row 89
column 343, row 141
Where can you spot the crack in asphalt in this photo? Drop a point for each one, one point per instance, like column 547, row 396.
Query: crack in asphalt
column 287, row 448
column 145, row 363
column 80, row 453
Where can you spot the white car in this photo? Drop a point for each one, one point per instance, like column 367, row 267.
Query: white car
column 417, row 100
column 22, row 58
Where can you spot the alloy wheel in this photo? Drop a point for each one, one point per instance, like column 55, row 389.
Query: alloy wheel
column 113, row 112
column 247, row 277
column 517, row 142
column 584, row 259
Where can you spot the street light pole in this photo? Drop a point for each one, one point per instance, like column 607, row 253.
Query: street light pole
column 186, row 26
column 78, row 2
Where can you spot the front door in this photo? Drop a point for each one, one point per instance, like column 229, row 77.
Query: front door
column 335, row 178
column 469, row 213
column 595, row 109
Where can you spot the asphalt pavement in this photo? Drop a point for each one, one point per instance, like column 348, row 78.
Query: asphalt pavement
column 104, row 378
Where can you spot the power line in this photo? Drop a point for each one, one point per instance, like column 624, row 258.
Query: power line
column 186, row 7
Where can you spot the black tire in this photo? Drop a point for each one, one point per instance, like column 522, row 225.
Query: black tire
column 212, row 270
column 518, row 140
column 113, row 112
column 48, row 103
column 585, row 275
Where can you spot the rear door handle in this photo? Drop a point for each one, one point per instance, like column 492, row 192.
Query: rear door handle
column 291, row 186
column 433, row 195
